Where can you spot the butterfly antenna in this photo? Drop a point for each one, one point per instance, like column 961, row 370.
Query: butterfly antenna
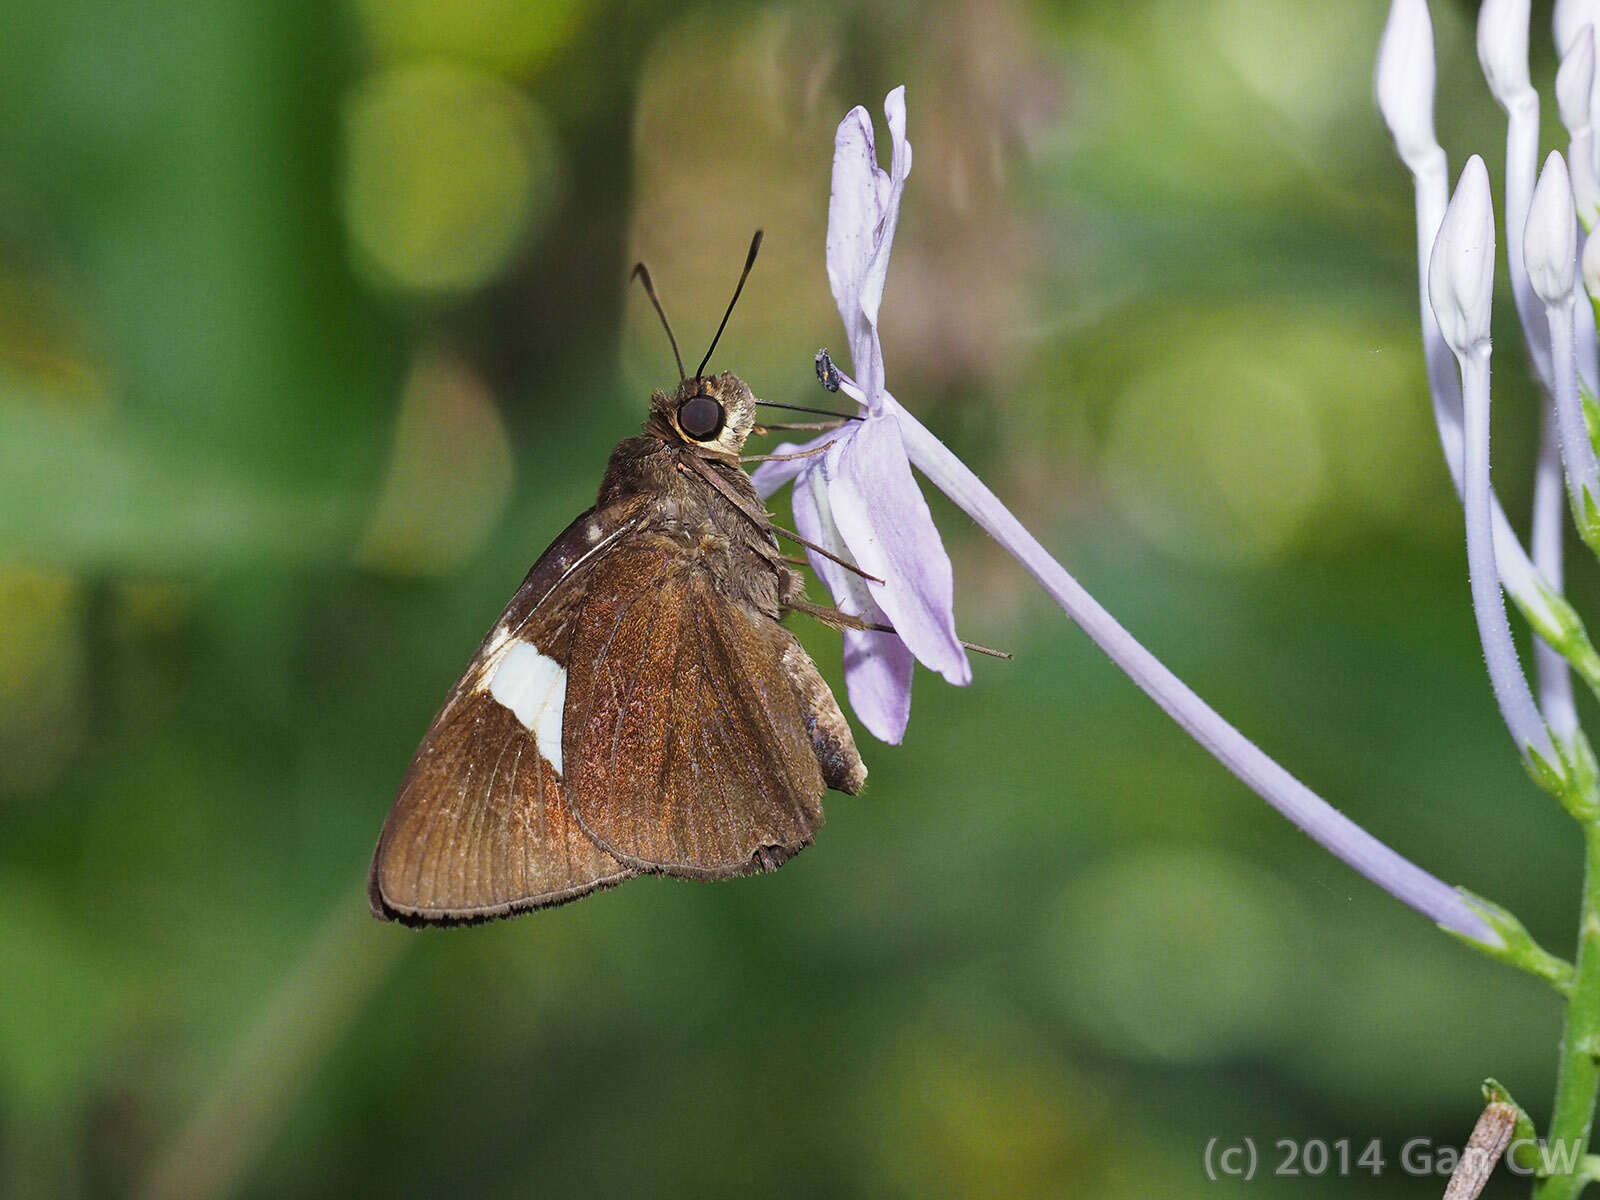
column 642, row 274
column 749, row 261
column 821, row 412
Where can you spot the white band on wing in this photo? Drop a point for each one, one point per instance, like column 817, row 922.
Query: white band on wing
column 534, row 687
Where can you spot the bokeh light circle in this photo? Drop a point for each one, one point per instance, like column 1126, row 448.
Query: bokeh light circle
column 448, row 170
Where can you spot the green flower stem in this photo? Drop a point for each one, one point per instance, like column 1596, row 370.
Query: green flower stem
column 1588, row 1170
column 1559, row 625
column 1572, row 779
column 1579, row 1070
column 1586, row 516
column 1515, row 946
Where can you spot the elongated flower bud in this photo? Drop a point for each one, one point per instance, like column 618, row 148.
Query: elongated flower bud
column 1461, row 270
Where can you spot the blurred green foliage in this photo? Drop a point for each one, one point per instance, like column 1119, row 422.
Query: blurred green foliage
column 314, row 328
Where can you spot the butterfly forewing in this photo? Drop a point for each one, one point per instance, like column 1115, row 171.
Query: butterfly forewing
column 686, row 744
column 480, row 828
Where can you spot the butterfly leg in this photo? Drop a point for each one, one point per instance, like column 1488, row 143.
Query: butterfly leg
column 760, row 458
column 842, row 620
column 799, row 427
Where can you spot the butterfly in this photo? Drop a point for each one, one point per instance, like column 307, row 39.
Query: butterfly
column 638, row 708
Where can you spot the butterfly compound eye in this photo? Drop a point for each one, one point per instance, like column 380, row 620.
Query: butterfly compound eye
column 700, row 417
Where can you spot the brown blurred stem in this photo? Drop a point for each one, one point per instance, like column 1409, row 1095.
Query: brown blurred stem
column 271, row 1062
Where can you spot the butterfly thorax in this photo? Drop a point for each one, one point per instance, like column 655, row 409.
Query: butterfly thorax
column 695, row 493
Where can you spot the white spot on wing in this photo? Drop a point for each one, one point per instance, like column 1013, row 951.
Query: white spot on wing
column 534, row 687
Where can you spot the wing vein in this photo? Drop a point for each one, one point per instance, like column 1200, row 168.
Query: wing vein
column 622, row 709
column 521, row 865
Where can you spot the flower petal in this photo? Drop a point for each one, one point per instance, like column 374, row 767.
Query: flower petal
column 877, row 666
column 877, row 676
column 863, row 210
column 813, row 520
column 885, row 522
column 853, row 216
column 889, row 192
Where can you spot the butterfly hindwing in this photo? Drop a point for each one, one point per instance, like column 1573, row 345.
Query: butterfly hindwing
column 686, row 742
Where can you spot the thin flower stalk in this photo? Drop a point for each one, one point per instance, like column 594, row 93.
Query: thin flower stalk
column 1578, row 100
column 1553, row 679
column 857, row 258
column 1461, row 288
column 1551, row 239
column 1575, row 92
column 1575, row 101
column 1503, row 54
column 1323, row 823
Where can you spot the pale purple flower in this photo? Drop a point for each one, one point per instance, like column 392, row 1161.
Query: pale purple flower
column 858, row 499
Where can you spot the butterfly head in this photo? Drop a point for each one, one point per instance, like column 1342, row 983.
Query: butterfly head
column 714, row 414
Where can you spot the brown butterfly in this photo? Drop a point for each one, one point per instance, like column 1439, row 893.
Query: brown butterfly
column 638, row 707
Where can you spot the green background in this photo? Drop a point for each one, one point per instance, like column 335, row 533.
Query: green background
column 315, row 328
